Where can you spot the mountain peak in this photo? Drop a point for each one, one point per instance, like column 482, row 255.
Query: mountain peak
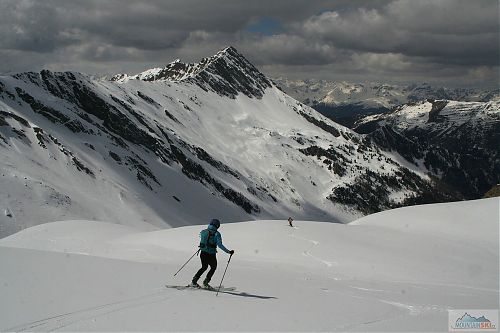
column 229, row 51
column 227, row 73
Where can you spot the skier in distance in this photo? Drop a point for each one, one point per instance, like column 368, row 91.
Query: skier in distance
column 210, row 238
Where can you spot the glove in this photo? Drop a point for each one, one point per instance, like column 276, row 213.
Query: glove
column 231, row 252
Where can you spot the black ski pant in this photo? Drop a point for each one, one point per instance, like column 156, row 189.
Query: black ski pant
column 207, row 259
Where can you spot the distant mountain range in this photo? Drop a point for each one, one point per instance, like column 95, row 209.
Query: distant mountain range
column 346, row 102
column 457, row 142
column 452, row 134
column 181, row 144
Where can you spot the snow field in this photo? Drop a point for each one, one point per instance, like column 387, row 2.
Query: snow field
column 399, row 270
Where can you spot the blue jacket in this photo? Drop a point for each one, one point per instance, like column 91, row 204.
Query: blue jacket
column 218, row 241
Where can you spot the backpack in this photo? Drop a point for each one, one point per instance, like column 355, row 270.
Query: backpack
column 207, row 241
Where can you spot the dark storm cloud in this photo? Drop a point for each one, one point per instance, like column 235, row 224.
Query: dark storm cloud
column 384, row 39
column 446, row 30
column 44, row 25
column 31, row 27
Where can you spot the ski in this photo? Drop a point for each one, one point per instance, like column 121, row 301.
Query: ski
column 190, row 287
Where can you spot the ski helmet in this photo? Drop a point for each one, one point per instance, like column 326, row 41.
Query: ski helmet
column 215, row 223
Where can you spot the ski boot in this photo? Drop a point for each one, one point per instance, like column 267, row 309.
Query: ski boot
column 207, row 286
column 194, row 284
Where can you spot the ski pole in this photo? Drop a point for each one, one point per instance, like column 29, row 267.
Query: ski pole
column 187, row 261
column 220, row 285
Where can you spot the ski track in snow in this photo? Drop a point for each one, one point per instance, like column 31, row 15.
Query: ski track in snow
column 57, row 322
column 307, row 252
column 354, row 326
column 454, row 285
column 325, row 262
column 404, row 309
column 376, row 290
column 416, row 310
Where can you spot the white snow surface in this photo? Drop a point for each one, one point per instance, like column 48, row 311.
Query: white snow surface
column 456, row 114
column 399, row 270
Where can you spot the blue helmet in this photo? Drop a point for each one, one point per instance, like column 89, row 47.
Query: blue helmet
column 215, row 223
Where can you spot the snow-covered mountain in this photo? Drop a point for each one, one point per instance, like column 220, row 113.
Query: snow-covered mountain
column 227, row 73
column 395, row 271
column 345, row 102
column 181, row 144
column 457, row 142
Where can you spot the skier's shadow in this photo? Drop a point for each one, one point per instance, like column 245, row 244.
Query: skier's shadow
column 243, row 294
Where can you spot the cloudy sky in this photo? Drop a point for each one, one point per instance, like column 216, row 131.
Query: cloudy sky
column 447, row 42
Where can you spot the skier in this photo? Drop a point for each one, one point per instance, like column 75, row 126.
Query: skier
column 210, row 238
column 290, row 220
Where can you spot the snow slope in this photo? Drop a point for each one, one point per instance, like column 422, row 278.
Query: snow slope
column 399, row 270
column 446, row 117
